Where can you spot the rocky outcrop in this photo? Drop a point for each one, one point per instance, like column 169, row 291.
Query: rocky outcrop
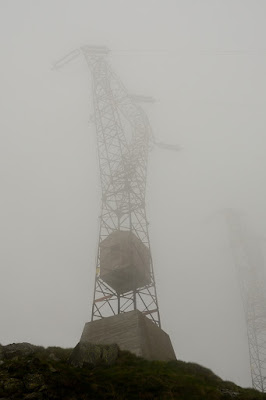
column 25, row 368
column 16, row 350
column 30, row 372
column 93, row 354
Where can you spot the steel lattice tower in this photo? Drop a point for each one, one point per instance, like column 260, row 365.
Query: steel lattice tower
column 124, row 136
column 249, row 264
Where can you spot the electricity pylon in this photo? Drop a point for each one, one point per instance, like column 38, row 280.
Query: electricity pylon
column 249, row 264
column 124, row 278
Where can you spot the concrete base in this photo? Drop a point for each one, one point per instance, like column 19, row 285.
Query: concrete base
column 132, row 331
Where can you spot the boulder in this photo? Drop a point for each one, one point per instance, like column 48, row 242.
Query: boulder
column 13, row 385
column 94, row 354
column 33, row 381
column 53, row 357
column 33, row 396
column 16, row 350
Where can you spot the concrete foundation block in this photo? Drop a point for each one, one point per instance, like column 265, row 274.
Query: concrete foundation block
column 131, row 331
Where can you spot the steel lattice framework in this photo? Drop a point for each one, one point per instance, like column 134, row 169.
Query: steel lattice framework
column 124, row 137
column 250, row 269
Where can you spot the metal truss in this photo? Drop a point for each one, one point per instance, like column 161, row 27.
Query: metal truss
column 250, row 269
column 124, row 137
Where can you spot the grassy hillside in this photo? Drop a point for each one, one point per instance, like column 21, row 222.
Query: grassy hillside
column 47, row 374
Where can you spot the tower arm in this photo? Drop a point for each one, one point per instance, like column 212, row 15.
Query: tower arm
column 66, row 59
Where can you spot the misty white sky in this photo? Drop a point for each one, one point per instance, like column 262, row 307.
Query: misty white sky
column 204, row 62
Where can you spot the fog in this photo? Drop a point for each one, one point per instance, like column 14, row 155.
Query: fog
column 204, row 62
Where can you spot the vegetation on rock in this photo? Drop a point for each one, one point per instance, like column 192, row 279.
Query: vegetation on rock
column 32, row 372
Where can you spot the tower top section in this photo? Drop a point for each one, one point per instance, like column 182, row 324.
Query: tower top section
column 87, row 51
